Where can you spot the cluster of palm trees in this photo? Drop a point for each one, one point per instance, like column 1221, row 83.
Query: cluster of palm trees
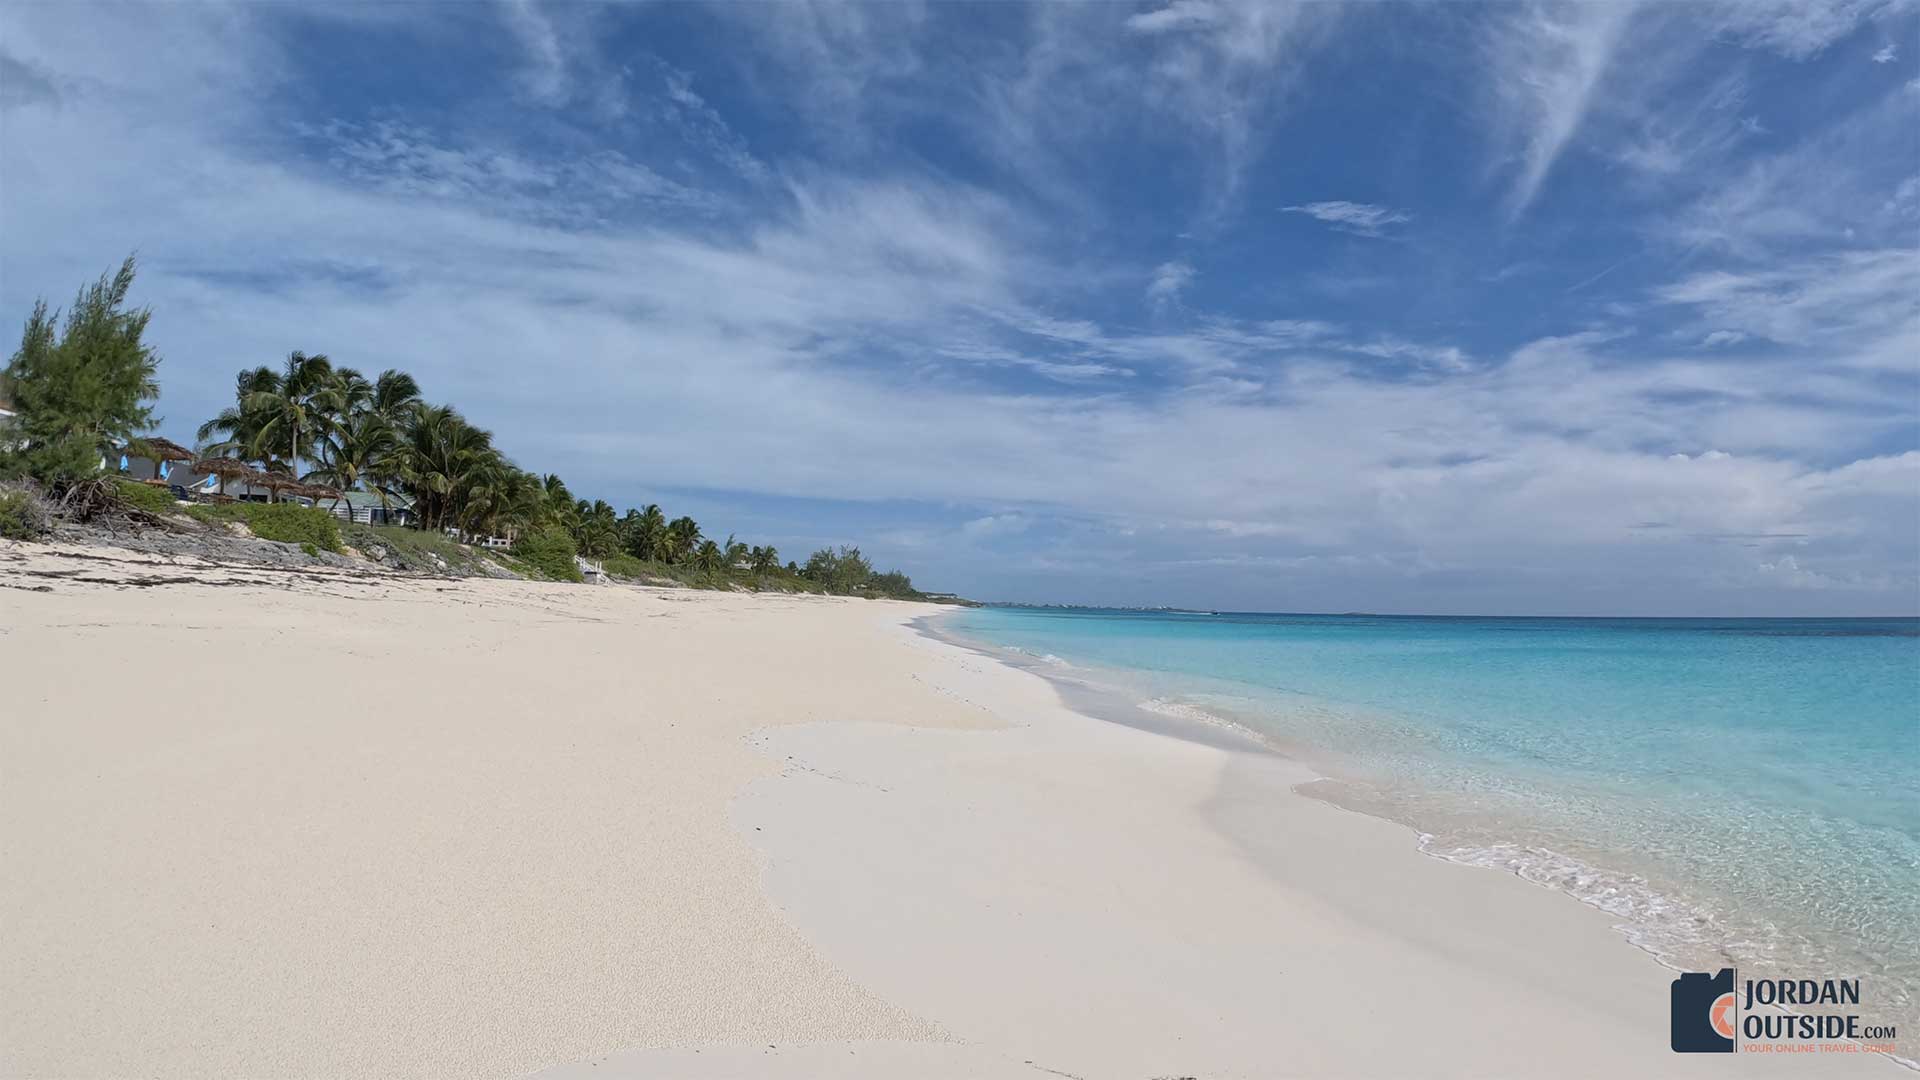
column 81, row 393
column 599, row 531
column 319, row 423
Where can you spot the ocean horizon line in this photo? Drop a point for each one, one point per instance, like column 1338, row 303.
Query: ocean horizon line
column 1913, row 617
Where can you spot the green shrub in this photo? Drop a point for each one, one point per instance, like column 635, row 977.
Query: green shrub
column 154, row 500
column 214, row 515
column 288, row 523
column 621, row 565
column 417, row 551
column 307, row 546
column 507, row 562
column 549, row 551
column 23, row 513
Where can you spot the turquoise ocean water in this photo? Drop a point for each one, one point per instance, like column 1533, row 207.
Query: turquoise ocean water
column 1732, row 790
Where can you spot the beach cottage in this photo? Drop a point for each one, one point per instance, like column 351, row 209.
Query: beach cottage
column 368, row 508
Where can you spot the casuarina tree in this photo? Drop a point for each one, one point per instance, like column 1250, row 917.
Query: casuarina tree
column 83, row 392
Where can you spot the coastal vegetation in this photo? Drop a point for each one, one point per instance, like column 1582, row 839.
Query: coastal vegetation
column 81, row 391
column 321, row 431
column 418, row 551
column 24, row 515
column 143, row 497
column 287, row 523
column 551, row 551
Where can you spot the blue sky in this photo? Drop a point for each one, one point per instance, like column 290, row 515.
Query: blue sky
column 1453, row 308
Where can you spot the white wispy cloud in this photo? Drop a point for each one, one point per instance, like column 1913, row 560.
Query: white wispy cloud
column 1169, row 280
column 1179, row 15
column 1362, row 219
column 1859, row 308
column 583, row 187
column 996, row 525
column 1445, row 358
column 1688, row 140
column 1545, row 65
column 545, row 75
column 561, row 65
column 1796, row 29
column 1887, row 53
column 1835, row 183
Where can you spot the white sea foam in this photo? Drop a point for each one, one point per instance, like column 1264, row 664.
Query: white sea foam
column 1681, row 936
column 1184, row 711
column 1675, row 932
column 1043, row 657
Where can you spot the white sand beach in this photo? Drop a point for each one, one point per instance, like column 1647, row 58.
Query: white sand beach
column 266, row 823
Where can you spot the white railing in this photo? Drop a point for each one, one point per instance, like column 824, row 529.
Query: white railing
column 362, row 515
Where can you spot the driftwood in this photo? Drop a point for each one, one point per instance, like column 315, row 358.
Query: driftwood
column 97, row 500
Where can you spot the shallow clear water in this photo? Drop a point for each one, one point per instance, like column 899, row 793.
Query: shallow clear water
column 1742, row 790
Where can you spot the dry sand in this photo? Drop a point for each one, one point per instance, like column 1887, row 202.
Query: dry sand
column 272, row 824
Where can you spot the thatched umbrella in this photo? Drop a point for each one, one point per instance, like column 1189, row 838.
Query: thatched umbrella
column 275, row 483
column 159, row 450
column 223, row 467
column 228, row 469
column 316, row 492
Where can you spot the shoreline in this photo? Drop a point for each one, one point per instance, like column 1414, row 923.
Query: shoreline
column 1540, row 867
column 1251, row 851
column 498, row 828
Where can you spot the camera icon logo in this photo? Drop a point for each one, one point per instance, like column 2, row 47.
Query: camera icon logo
column 1703, row 1019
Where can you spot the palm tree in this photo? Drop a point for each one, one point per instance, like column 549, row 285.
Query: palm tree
column 765, row 559
column 497, row 498
column 352, row 391
column 559, row 503
column 525, row 502
column 395, row 395
column 445, row 461
column 301, row 402
column 359, row 449
column 683, row 535
column 358, row 441
column 733, row 552
column 647, row 535
column 238, row 426
column 708, row 557
column 595, row 529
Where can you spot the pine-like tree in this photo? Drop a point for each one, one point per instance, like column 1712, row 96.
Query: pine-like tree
column 80, row 394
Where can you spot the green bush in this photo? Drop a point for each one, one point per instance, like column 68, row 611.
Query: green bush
column 413, row 549
column 154, row 500
column 288, row 523
column 626, row 566
column 549, row 551
column 214, row 515
column 23, row 514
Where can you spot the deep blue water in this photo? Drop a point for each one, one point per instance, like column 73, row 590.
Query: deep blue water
column 1744, row 789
